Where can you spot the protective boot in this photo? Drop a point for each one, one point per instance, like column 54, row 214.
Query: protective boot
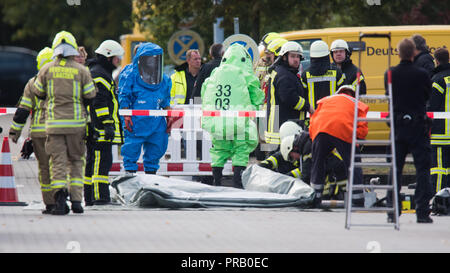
column 103, row 197
column 88, row 195
column 217, row 175
column 48, row 209
column 237, row 176
column 76, row 207
column 61, row 207
column 150, row 172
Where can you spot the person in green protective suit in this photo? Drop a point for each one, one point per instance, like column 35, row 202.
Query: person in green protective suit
column 231, row 86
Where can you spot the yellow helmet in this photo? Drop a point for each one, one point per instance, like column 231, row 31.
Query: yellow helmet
column 266, row 39
column 64, row 37
column 275, row 45
column 44, row 56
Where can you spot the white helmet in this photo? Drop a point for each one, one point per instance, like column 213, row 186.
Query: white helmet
column 347, row 89
column 109, row 48
column 291, row 47
column 290, row 128
column 286, row 146
column 319, row 49
column 339, row 44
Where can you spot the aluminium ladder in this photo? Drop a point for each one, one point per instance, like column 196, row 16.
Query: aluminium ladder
column 390, row 162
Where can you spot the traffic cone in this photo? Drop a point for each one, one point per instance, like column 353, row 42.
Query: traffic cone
column 8, row 192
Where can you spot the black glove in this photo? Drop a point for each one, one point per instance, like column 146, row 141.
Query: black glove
column 27, row 149
column 109, row 131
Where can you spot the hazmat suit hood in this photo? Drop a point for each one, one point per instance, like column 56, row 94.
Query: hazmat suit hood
column 150, row 50
column 238, row 56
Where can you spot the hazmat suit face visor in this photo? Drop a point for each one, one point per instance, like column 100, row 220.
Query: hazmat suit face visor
column 150, row 68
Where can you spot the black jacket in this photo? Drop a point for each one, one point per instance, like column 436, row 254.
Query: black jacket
column 350, row 70
column 288, row 94
column 439, row 103
column 425, row 60
column 205, row 72
column 101, row 71
column 411, row 88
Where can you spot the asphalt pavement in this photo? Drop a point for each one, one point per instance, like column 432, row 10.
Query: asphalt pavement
column 117, row 229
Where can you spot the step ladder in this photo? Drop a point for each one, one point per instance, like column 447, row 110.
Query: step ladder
column 390, row 162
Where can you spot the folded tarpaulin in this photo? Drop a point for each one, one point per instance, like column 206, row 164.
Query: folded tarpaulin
column 150, row 191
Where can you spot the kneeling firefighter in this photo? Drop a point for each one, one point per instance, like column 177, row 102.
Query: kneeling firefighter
column 232, row 86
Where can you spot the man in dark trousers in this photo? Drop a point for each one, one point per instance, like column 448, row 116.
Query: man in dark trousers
column 411, row 88
column 215, row 52
column 440, row 135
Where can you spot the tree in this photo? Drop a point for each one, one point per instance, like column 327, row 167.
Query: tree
column 90, row 22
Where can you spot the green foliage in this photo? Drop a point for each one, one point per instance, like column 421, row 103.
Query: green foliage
column 91, row 22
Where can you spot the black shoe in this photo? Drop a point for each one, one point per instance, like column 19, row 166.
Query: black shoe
column 88, row 195
column 48, row 209
column 424, row 219
column 317, row 203
column 103, row 202
column 61, row 207
column 150, row 172
column 237, row 176
column 76, row 207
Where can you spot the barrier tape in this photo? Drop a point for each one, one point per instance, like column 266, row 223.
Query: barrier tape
column 223, row 113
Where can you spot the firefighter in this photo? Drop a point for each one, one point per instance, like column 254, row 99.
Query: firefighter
column 440, row 132
column 105, row 126
column 67, row 87
column 332, row 127
column 143, row 85
column 286, row 97
column 31, row 104
column 297, row 150
column 340, row 53
column 232, row 86
column 263, row 64
column 321, row 79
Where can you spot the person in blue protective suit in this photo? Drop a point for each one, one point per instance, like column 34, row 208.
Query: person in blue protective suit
column 142, row 85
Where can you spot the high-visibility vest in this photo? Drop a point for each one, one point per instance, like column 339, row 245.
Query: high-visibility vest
column 179, row 88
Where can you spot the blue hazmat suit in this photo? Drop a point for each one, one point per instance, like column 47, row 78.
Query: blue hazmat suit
column 148, row 132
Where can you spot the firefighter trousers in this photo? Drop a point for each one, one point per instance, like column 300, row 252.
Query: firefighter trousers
column 67, row 160
column 322, row 146
column 440, row 167
column 98, row 163
column 43, row 170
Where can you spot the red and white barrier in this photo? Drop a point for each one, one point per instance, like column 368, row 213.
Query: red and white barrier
column 8, row 190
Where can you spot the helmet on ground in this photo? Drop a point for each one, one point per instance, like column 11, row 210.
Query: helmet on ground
column 289, row 128
column 286, row 146
column 275, row 45
column 346, row 89
column 266, row 39
column 44, row 56
column 291, row 47
column 64, row 37
column 319, row 49
column 109, row 48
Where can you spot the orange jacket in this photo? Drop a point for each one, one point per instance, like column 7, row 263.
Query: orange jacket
column 334, row 116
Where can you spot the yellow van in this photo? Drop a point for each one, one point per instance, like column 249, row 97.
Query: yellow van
column 374, row 55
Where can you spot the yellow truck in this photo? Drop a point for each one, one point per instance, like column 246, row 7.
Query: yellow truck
column 374, row 54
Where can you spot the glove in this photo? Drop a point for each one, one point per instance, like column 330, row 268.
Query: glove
column 27, row 148
column 109, row 131
column 265, row 164
column 128, row 123
column 173, row 121
column 14, row 135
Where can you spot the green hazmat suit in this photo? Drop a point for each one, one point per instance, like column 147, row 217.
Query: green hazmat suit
column 232, row 86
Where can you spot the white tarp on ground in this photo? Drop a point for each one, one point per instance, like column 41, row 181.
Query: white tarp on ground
column 263, row 188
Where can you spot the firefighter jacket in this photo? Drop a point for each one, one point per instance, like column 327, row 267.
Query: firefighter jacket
column 285, row 100
column 318, row 86
column 104, row 108
column 65, row 85
column 350, row 72
column 30, row 104
column 440, row 102
column 334, row 116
